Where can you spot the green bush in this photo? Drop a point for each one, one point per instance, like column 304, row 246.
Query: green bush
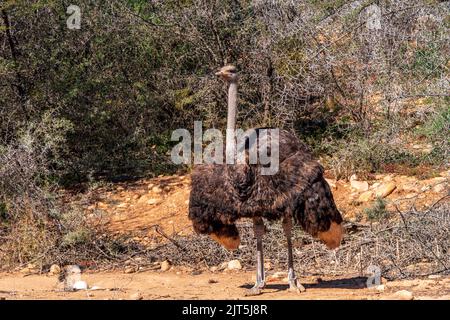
column 377, row 211
column 436, row 130
column 367, row 155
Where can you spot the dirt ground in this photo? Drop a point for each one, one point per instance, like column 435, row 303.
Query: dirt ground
column 133, row 209
column 222, row 285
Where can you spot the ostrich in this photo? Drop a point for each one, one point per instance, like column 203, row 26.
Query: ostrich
column 223, row 193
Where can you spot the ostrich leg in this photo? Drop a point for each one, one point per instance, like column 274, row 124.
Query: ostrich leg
column 258, row 227
column 294, row 284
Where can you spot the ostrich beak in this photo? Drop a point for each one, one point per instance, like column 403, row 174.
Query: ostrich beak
column 218, row 73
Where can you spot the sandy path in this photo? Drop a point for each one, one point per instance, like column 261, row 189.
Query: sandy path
column 170, row 285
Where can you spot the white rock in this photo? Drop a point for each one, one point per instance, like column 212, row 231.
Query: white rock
column 156, row 189
column 80, row 285
column 136, row 296
column 223, row 266
column 359, row 185
column 54, row 269
column 152, row 201
column 441, row 187
column 234, row 265
column 403, row 295
column 165, row 265
column 375, row 185
column 130, row 270
column 379, row 288
column 353, row 177
column 95, row 288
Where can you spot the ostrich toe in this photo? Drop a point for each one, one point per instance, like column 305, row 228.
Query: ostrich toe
column 255, row 290
column 296, row 286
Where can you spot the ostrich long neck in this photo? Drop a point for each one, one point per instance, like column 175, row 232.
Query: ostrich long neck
column 231, row 121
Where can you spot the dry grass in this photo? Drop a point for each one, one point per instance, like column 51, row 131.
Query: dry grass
column 410, row 245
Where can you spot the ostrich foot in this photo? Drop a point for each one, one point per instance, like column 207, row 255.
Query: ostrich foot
column 255, row 290
column 296, row 286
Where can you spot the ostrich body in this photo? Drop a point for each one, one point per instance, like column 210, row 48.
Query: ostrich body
column 223, row 193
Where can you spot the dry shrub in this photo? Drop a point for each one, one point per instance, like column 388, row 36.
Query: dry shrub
column 364, row 156
column 410, row 244
column 29, row 239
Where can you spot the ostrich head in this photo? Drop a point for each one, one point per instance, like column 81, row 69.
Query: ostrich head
column 228, row 73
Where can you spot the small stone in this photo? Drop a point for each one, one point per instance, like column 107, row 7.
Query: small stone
column 130, row 270
column 122, row 205
column 143, row 199
column 54, row 270
column 375, row 185
column 223, row 266
column 234, row 265
column 379, row 288
column 136, row 296
column 441, row 187
column 80, row 285
column 385, row 190
column 359, row 185
column 152, row 201
column 95, row 288
column 212, row 281
column 165, row 265
column 30, row 268
column 434, row 276
column 353, row 177
column 156, row 189
column 403, row 295
column 213, row 269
